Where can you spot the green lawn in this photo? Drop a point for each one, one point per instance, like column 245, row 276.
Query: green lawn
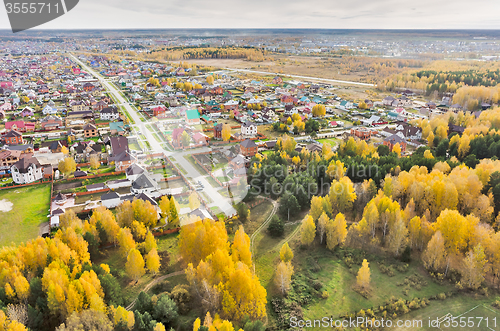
column 332, row 141
column 30, row 208
column 458, row 306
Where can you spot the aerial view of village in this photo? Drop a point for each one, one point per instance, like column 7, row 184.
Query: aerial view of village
column 250, row 180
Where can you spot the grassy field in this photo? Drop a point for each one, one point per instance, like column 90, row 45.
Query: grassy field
column 460, row 306
column 30, row 208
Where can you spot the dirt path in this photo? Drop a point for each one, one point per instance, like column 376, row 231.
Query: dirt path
column 264, row 224
column 153, row 283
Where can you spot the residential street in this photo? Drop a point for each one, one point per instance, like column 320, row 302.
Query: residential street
column 223, row 203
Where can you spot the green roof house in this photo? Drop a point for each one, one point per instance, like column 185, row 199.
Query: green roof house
column 192, row 116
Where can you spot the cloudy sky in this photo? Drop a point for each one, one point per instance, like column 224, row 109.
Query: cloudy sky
column 340, row 14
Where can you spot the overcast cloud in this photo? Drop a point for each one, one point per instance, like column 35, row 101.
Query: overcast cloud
column 337, row 14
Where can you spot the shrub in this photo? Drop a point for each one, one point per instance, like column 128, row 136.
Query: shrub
column 325, row 294
column 317, row 285
column 441, row 296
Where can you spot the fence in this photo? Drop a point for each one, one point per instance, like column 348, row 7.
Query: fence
column 13, row 185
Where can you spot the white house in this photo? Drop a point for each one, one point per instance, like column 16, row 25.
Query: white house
column 248, row 129
column 143, row 184
column 48, row 110
column 110, row 200
column 26, row 170
column 109, row 114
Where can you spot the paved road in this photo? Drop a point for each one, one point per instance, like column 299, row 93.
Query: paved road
column 178, row 157
column 303, row 77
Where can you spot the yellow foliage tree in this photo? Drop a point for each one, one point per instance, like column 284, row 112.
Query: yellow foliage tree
column 307, row 231
column 286, row 253
column 135, row 265
column 363, row 277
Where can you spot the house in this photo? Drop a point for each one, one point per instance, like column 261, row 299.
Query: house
column 387, row 101
column 159, row 111
column 27, row 111
column 218, row 131
column 346, row 105
column 51, row 122
column 393, row 140
column 6, row 107
column 200, row 138
column 231, row 105
column 277, row 80
column 117, row 128
column 110, row 200
column 48, row 110
column 143, row 184
column 248, row 129
column 20, row 126
column 98, row 106
column 192, row 116
column 248, row 147
column 12, row 138
column 120, row 153
column 109, row 114
column 455, row 128
column 90, row 130
column 77, row 105
column 95, row 187
column 26, row 170
column 456, row 108
column 361, row 133
column 408, row 131
column 133, row 171
column 8, row 158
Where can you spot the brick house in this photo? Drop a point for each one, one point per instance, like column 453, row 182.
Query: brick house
column 393, row 140
column 90, row 130
column 248, row 147
column 12, row 138
column 192, row 116
column 51, row 122
column 218, row 131
column 20, row 126
column 361, row 133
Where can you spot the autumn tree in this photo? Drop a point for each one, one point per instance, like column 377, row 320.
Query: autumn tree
column 200, row 239
column 363, row 277
column 434, row 256
column 153, row 261
column 342, row 195
column 316, row 207
column 283, row 278
column 135, row 265
column 286, row 253
column 226, row 132
column 473, row 268
column 241, row 247
column 194, row 201
column 397, row 149
column 86, row 320
column 95, row 163
column 322, row 225
column 67, row 165
column 64, row 150
column 397, row 236
column 336, row 232
column 145, row 212
column 210, row 80
column 185, row 139
column 125, row 214
column 307, row 231
column 126, row 241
